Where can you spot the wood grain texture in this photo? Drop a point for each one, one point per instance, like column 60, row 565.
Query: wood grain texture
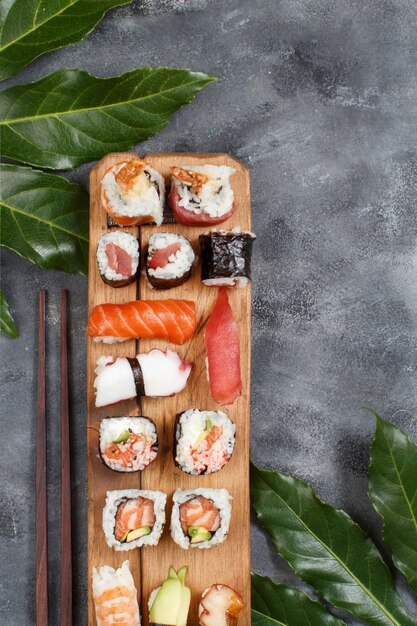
column 230, row 562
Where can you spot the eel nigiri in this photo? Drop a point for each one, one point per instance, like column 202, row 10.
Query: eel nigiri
column 115, row 596
column 155, row 374
column 223, row 352
column 173, row 320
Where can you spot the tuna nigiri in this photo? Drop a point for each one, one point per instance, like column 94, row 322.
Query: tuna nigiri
column 223, row 352
column 173, row 320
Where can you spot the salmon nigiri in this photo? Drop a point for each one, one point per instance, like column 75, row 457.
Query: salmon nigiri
column 223, row 352
column 173, row 320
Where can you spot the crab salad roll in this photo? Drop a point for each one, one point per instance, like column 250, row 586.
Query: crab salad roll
column 133, row 193
column 118, row 258
column 169, row 260
column 128, row 444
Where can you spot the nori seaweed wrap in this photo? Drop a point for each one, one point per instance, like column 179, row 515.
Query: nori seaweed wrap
column 226, row 258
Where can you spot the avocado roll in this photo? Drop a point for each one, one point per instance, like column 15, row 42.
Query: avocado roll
column 204, row 441
column 133, row 518
column 226, row 257
column 128, row 444
column 118, row 258
column 200, row 517
column 169, row 260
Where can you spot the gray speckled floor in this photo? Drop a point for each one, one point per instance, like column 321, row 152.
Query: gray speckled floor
column 319, row 98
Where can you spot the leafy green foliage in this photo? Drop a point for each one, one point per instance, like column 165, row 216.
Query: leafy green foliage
column 327, row 549
column 71, row 117
column 275, row 604
column 44, row 218
column 7, row 324
column 393, row 491
column 29, row 28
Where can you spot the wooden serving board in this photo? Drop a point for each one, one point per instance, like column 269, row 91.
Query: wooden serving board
column 230, row 562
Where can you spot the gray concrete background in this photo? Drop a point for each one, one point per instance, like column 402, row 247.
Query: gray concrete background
column 319, row 98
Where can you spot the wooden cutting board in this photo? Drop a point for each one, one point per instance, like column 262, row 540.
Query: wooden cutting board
column 230, row 562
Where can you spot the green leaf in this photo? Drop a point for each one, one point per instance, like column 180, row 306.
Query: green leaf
column 393, row 491
column 71, row 117
column 29, row 28
column 276, row 604
column 327, row 549
column 44, row 218
column 7, row 324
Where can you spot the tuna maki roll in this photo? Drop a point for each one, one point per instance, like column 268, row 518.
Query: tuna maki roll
column 118, row 258
column 204, row 441
column 201, row 194
column 169, row 260
column 133, row 518
column 128, row 444
column 226, row 257
column 220, row 606
column 200, row 517
column 133, row 193
column 156, row 373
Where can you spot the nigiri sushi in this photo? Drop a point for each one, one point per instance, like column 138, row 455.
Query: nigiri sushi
column 169, row 260
column 169, row 604
column 173, row 320
column 118, row 258
column 200, row 517
column 115, row 596
column 133, row 193
column 201, row 194
column 220, row 606
column 223, row 352
column 155, row 373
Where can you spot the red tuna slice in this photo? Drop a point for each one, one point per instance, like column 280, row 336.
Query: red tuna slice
column 160, row 258
column 184, row 216
column 223, row 352
column 119, row 260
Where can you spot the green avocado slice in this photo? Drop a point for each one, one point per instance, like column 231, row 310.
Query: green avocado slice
column 172, row 602
column 124, row 436
column 199, row 534
column 138, row 533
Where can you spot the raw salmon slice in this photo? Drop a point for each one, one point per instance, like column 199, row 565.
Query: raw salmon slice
column 223, row 352
column 201, row 512
column 160, row 258
column 133, row 514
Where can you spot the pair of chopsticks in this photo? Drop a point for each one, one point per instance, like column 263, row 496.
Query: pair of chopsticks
column 41, row 540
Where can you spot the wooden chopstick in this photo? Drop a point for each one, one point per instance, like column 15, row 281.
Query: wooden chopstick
column 66, row 561
column 41, row 537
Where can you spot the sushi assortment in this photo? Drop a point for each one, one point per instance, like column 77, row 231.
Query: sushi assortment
column 132, row 194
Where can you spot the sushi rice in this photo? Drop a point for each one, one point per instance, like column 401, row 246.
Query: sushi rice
column 115, row 498
column 107, row 579
column 221, row 499
column 190, row 425
column 128, row 243
column 145, row 447
column 216, row 196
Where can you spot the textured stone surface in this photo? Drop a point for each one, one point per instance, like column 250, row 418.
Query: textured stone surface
column 319, row 98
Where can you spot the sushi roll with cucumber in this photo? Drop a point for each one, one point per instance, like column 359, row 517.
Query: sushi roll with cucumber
column 220, row 606
column 156, row 373
column 133, row 193
column 200, row 517
column 115, row 596
column 128, row 444
column 201, row 194
column 133, row 518
column 204, row 441
column 226, row 257
column 118, row 258
column 169, row 260
column 169, row 604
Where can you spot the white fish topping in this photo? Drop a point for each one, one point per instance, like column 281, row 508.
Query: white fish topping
column 114, row 381
column 164, row 373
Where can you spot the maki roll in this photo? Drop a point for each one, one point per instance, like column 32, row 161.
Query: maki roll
column 133, row 518
column 204, row 441
column 169, row 260
column 170, row 603
column 226, row 257
column 220, row 606
column 200, row 517
column 201, row 194
column 128, row 444
column 115, row 596
column 133, row 193
column 155, row 373
column 118, row 258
